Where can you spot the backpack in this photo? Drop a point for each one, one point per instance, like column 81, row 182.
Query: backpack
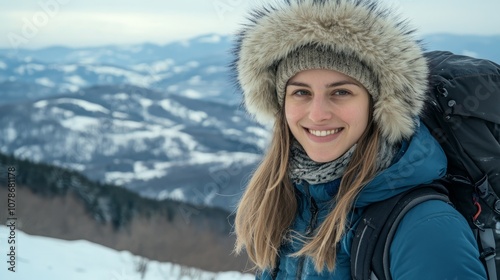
column 463, row 115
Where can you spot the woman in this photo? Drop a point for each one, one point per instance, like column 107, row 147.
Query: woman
column 344, row 83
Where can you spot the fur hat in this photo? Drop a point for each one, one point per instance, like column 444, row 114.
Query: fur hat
column 360, row 32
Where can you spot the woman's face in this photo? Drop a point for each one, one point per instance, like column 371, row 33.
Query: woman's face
column 326, row 111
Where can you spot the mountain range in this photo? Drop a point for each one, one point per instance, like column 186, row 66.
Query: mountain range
column 194, row 68
column 158, row 144
column 163, row 121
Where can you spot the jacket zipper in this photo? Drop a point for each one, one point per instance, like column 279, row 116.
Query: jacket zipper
column 313, row 208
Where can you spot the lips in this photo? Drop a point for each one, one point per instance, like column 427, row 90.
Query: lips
column 324, row 133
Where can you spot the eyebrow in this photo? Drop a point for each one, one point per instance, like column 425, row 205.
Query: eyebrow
column 334, row 84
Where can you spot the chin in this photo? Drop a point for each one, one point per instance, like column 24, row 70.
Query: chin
column 322, row 158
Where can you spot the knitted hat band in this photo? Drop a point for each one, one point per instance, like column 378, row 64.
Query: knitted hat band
column 311, row 57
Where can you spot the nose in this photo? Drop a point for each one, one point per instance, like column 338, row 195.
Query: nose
column 319, row 110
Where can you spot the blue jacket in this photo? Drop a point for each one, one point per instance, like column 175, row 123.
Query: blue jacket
column 433, row 241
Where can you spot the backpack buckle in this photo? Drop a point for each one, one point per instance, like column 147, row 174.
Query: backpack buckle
column 482, row 187
column 488, row 254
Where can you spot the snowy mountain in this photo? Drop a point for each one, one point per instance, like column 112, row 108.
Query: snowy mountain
column 129, row 55
column 38, row 257
column 158, row 144
column 163, row 120
column 194, row 68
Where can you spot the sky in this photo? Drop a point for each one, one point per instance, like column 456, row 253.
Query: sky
column 73, row 23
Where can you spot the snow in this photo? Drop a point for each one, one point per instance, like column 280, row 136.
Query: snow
column 75, row 79
column 191, row 93
column 40, row 257
column 180, row 111
column 121, row 96
column 31, row 152
column 89, row 60
column 145, row 102
column 3, row 65
column 80, row 123
column 120, row 115
column 173, row 88
column 195, row 80
column 258, row 131
column 211, row 39
column 218, row 161
column 115, row 96
column 173, row 148
column 69, row 87
column 74, row 166
column 232, row 131
column 128, row 124
column 131, row 77
column 40, row 104
column 176, row 194
column 224, row 158
column 61, row 112
column 45, row 82
column 163, row 65
column 190, row 65
column 155, row 67
column 68, row 68
column 119, row 178
column 263, row 136
column 144, row 173
column 29, row 68
column 10, row 134
column 88, row 106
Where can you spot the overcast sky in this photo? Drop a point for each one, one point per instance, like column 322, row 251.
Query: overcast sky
column 40, row 23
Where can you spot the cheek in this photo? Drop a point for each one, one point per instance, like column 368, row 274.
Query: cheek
column 292, row 118
column 291, row 114
column 357, row 117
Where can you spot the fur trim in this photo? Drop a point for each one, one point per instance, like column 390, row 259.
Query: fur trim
column 357, row 27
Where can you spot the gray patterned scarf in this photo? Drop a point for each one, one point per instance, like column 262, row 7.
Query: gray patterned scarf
column 301, row 167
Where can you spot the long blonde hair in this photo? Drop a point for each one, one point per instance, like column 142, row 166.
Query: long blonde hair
column 268, row 206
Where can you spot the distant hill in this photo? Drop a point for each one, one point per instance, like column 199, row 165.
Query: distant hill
column 471, row 45
column 193, row 68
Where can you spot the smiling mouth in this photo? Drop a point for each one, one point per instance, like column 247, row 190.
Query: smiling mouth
column 323, row 133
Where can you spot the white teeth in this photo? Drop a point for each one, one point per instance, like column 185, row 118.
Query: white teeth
column 323, row 133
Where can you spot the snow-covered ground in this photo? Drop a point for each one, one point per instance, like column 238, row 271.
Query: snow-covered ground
column 45, row 258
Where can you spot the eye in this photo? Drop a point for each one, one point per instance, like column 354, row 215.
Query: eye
column 301, row 92
column 341, row 92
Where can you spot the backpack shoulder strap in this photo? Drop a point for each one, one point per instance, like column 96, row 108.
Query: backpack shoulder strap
column 377, row 226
